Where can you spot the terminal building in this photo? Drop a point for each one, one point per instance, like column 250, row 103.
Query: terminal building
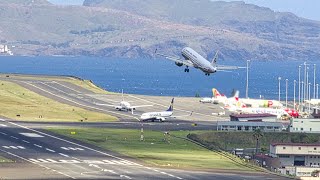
column 249, row 126
column 253, row 117
column 297, row 159
column 305, row 125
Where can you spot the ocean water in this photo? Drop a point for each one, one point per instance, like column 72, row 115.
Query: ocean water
column 163, row 77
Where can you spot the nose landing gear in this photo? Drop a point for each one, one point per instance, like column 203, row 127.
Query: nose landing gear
column 186, row 69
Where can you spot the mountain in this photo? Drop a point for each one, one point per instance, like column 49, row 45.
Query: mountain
column 135, row 28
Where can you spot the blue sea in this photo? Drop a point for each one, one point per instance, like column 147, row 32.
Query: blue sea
column 163, row 77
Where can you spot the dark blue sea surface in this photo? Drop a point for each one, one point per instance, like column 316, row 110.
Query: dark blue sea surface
column 163, row 77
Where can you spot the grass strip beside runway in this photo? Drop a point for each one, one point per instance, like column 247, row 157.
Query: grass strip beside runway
column 22, row 104
column 4, row 160
column 156, row 149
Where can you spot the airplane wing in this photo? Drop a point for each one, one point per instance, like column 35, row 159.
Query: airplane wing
column 182, row 115
column 133, row 107
column 176, row 59
column 223, row 68
column 105, row 105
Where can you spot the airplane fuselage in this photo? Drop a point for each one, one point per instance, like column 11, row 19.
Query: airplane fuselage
column 156, row 115
column 198, row 61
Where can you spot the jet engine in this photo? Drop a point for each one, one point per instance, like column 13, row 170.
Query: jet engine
column 178, row 64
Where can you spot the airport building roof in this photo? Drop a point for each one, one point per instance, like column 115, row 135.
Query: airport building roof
column 295, row 144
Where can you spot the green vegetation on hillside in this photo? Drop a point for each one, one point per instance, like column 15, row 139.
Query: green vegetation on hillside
column 230, row 140
column 156, row 149
column 22, row 104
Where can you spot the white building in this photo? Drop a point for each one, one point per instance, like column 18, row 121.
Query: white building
column 305, row 125
column 296, row 158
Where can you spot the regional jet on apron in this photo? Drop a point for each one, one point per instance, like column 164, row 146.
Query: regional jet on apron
column 193, row 59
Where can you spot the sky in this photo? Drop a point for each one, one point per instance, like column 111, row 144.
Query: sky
column 304, row 8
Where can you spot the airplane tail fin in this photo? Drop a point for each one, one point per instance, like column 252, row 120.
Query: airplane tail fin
column 215, row 58
column 171, row 105
column 236, row 94
column 215, row 92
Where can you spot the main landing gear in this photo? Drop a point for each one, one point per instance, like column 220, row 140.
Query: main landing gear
column 186, row 69
column 207, row 74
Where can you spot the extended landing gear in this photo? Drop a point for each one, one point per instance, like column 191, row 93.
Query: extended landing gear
column 207, row 74
column 186, row 69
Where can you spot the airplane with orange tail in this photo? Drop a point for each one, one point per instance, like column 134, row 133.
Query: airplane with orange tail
column 220, row 98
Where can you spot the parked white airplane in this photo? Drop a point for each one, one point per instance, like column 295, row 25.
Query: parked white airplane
column 220, row 98
column 255, row 103
column 193, row 59
column 313, row 101
column 124, row 105
column 161, row 116
column 278, row 112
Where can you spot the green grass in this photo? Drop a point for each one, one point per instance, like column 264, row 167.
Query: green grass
column 228, row 140
column 154, row 150
column 4, row 160
column 22, row 104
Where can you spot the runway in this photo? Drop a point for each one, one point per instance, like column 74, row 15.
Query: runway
column 57, row 157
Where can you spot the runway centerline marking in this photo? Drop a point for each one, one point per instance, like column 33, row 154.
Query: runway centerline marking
column 26, row 141
column 14, row 137
column 37, row 145
column 3, row 133
column 50, row 150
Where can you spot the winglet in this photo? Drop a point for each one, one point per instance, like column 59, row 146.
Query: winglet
column 214, row 60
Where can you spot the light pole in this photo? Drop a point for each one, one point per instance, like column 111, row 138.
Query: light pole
column 294, row 94
column 309, row 97
column 307, row 92
column 302, row 92
column 317, row 91
column 247, row 86
column 279, row 78
column 314, row 81
column 305, row 80
column 286, row 93
column 299, row 84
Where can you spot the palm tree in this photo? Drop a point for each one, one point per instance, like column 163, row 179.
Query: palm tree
column 257, row 134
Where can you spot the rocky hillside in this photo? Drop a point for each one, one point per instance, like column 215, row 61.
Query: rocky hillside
column 135, row 28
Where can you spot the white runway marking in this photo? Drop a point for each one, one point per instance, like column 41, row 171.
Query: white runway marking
column 37, row 164
column 72, row 148
column 50, row 150
column 3, row 125
column 31, row 134
column 14, row 137
column 63, row 155
column 37, row 145
column 3, row 133
column 14, row 147
column 26, row 141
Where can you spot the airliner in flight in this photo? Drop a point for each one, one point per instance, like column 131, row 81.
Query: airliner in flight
column 194, row 59
column 160, row 116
